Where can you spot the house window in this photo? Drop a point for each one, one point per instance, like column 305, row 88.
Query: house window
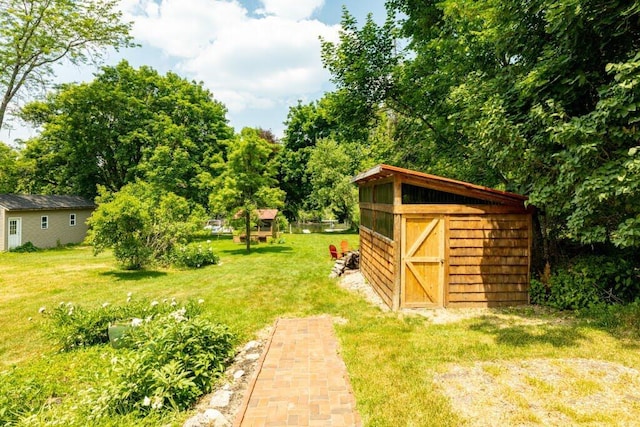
column 44, row 222
column 72, row 220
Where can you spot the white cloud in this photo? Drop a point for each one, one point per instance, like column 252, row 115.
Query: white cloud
column 182, row 28
column 290, row 9
column 248, row 62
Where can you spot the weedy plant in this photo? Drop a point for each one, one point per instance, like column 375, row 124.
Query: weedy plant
column 72, row 326
column 194, row 255
column 167, row 363
column 168, row 356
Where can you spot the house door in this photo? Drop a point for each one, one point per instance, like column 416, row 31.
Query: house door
column 15, row 232
column 422, row 262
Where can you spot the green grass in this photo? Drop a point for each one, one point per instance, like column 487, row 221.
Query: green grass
column 392, row 359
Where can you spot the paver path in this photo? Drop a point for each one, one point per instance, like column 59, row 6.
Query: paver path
column 302, row 381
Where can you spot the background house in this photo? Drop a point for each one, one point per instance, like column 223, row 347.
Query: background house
column 45, row 221
column 266, row 226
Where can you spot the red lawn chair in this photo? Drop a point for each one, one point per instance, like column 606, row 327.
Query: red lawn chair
column 333, row 251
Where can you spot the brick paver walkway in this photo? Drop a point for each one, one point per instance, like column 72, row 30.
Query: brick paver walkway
column 302, row 381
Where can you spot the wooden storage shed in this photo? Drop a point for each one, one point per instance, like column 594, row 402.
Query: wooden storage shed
column 429, row 241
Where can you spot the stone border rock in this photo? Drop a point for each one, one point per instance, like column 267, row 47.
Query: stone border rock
column 220, row 407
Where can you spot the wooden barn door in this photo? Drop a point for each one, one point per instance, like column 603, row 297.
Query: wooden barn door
column 422, row 262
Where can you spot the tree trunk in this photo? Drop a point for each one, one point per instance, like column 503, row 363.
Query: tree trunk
column 3, row 110
column 247, row 219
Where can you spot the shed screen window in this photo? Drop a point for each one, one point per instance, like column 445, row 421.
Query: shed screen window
column 384, row 224
column 72, row 220
column 414, row 195
column 44, row 222
column 366, row 194
column 383, row 193
column 366, row 218
column 377, row 221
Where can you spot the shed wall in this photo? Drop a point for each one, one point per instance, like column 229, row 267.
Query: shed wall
column 377, row 263
column 488, row 260
column 59, row 230
column 3, row 237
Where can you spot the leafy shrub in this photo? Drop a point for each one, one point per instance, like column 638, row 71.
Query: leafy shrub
column 588, row 281
column 538, row 292
column 571, row 290
column 143, row 224
column 74, row 326
column 26, row 247
column 168, row 363
column 194, row 255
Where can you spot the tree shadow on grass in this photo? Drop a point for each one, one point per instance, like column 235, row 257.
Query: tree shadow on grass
column 133, row 275
column 262, row 249
column 523, row 335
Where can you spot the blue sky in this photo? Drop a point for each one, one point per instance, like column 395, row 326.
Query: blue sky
column 258, row 57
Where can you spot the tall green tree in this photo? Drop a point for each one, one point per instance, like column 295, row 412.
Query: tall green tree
column 306, row 124
column 37, row 34
column 331, row 168
column 9, row 169
column 248, row 181
column 126, row 124
column 538, row 97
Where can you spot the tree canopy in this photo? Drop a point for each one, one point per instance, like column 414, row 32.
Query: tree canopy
column 247, row 181
column 36, row 34
column 125, row 124
column 535, row 97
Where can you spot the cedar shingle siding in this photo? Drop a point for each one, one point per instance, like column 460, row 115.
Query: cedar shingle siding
column 429, row 241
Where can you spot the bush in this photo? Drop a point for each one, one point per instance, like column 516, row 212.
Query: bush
column 142, row 224
column 166, row 365
column 588, row 281
column 73, row 326
column 194, row 255
column 26, row 247
column 538, row 292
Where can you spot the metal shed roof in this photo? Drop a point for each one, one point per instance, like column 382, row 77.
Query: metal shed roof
column 440, row 183
column 267, row 214
column 263, row 214
column 35, row 202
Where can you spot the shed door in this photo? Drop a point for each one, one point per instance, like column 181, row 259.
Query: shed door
column 422, row 262
column 15, row 232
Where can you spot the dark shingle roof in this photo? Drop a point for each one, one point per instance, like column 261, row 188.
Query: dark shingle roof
column 30, row 202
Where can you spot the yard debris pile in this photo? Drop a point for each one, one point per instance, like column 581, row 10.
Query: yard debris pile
column 350, row 261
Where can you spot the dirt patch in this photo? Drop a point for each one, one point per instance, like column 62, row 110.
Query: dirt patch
column 544, row 392
column 354, row 281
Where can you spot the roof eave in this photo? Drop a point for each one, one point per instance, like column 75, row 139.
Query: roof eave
column 457, row 187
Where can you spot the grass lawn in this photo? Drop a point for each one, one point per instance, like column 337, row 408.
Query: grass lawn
column 394, row 360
